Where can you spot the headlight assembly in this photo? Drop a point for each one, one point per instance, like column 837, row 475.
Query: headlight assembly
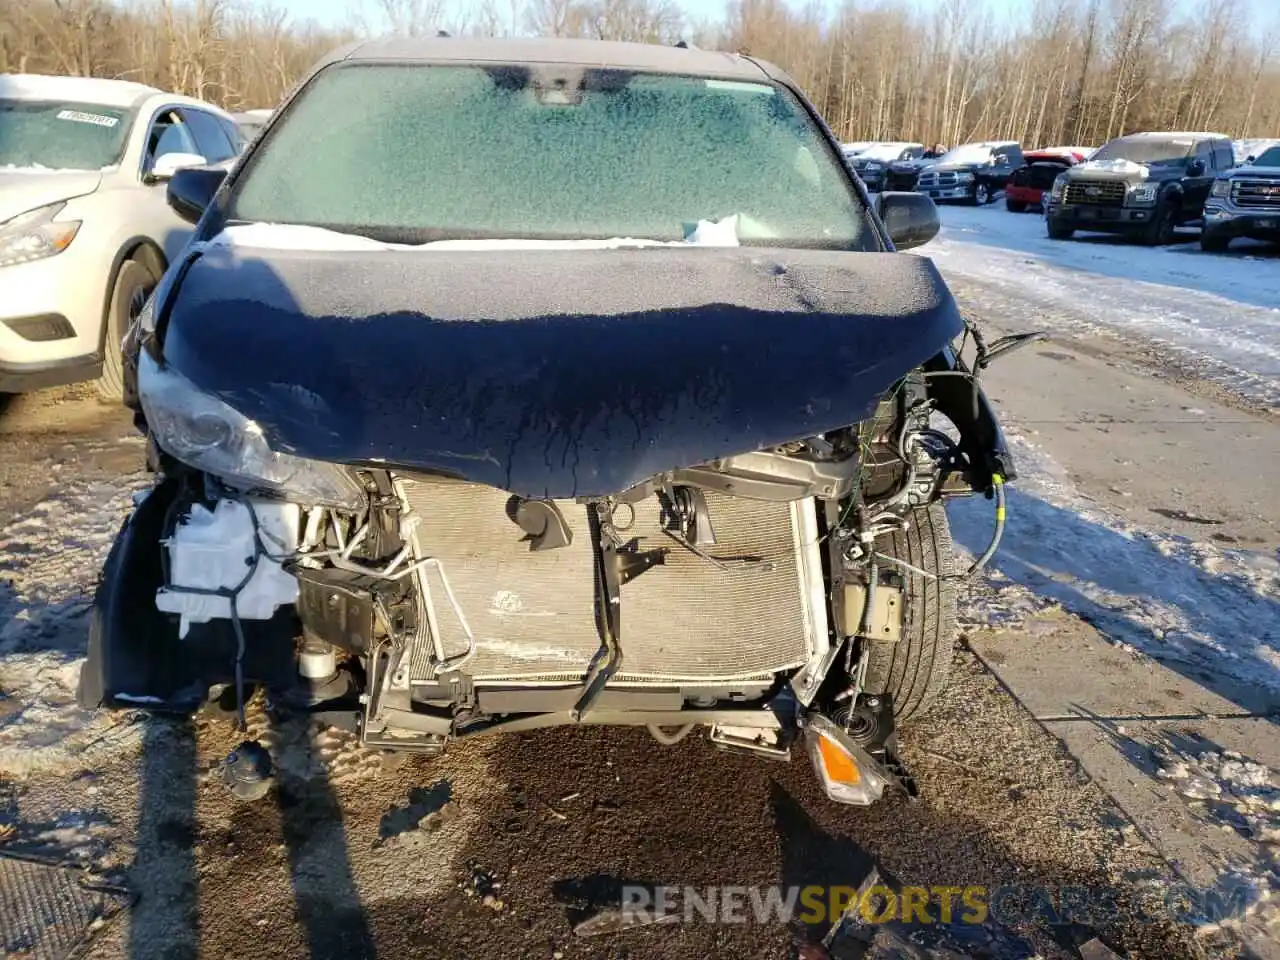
column 1144, row 193
column 964, row 178
column 35, row 235
column 1059, row 186
column 205, row 433
column 1220, row 188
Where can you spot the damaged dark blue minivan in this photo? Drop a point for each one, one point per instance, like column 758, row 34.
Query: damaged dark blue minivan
column 513, row 384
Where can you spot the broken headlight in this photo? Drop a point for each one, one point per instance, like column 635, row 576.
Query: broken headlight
column 205, row 433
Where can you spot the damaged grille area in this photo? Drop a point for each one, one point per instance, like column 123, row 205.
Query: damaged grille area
column 534, row 614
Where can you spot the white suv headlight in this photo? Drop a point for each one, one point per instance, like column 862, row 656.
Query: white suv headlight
column 205, row 433
column 35, row 235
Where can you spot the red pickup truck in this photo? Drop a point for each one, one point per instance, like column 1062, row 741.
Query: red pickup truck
column 1029, row 183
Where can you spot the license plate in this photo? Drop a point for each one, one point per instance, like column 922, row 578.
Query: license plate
column 1087, row 214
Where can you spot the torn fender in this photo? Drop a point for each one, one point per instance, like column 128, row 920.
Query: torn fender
column 135, row 658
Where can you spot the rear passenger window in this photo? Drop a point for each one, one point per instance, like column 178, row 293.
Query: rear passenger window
column 1224, row 156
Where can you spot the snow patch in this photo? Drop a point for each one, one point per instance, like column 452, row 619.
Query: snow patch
column 287, row 236
column 1164, row 596
column 1221, row 313
column 51, row 556
column 1117, row 165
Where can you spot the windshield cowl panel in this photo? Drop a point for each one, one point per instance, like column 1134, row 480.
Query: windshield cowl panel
column 417, row 153
column 44, row 136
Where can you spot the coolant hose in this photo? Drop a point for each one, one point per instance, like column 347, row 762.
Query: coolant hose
column 997, row 483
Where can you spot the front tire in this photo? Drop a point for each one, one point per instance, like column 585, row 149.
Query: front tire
column 1161, row 230
column 915, row 668
column 134, row 283
column 981, row 195
column 1214, row 242
column 1057, row 232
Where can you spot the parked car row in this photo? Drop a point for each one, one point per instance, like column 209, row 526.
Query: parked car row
column 1145, row 185
column 1142, row 185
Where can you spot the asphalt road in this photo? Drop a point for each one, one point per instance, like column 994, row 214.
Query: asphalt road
column 499, row 848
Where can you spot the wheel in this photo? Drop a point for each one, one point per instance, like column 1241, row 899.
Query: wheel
column 915, row 668
column 1057, row 232
column 981, row 195
column 134, row 283
column 1213, row 242
column 1015, row 206
column 1160, row 230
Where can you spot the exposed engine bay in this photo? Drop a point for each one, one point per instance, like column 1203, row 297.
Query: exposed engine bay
column 501, row 533
column 739, row 594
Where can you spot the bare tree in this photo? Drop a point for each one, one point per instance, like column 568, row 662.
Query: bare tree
column 877, row 69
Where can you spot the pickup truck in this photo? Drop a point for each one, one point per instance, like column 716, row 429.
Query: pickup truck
column 1029, row 185
column 1143, row 185
column 872, row 162
column 974, row 172
column 1244, row 202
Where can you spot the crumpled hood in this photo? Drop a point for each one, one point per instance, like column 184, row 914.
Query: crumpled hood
column 551, row 373
column 23, row 190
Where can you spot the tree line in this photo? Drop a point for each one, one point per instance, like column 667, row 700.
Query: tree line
column 1076, row 72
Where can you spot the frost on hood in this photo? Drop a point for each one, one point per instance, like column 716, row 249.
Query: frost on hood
column 1117, row 165
column 725, row 232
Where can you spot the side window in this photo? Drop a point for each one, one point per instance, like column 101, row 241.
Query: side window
column 211, row 138
column 1204, row 152
column 169, row 134
column 1224, row 155
column 1015, row 157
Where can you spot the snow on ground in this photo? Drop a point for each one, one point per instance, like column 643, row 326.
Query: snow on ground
column 1201, row 610
column 1223, row 308
column 1189, row 604
column 50, row 558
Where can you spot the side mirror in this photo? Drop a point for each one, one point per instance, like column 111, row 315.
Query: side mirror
column 1250, row 159
column 1196, row 167
column 911, row 219
column 191, row 190
column 167, row 164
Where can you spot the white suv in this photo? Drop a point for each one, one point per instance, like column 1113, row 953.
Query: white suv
column 85, row 230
